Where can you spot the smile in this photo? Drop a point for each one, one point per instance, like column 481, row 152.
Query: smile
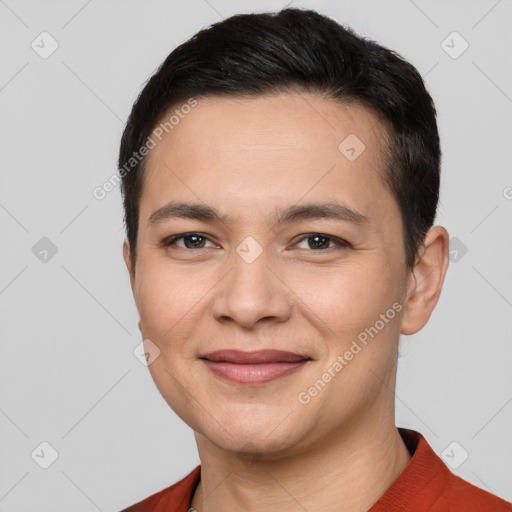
column 253, row 368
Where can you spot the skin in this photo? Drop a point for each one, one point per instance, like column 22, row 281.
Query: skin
column 259, row 446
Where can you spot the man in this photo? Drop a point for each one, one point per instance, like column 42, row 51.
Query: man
column 280, row 180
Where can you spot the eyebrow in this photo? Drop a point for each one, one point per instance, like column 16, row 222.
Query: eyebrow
column 309, row 211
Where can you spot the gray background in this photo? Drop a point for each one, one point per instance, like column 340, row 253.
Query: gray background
column 68, row 375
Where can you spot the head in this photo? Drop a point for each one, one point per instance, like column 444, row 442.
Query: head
column 299, row 163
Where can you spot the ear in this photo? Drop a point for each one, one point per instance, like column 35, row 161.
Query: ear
column 128, row 261
column 426, row 280
column 131, row 270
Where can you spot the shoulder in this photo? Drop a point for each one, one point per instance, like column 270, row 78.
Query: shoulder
column 461, row 496
column 428, row 485
column 175, row 498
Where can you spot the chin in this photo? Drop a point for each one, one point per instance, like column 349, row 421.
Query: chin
column 267, row 439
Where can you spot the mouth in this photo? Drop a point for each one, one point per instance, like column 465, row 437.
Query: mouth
column 253, row 368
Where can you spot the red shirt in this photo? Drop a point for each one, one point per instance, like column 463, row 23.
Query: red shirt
column 426, row 484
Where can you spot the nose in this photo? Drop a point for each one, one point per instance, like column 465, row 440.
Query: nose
column 251, row 293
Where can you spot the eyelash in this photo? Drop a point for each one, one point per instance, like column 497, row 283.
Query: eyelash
column 338, row 241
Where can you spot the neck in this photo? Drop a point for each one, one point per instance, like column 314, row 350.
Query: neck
column 348, row 473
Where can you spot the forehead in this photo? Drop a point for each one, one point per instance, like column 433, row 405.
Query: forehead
column 252, row 152
column 301, row 122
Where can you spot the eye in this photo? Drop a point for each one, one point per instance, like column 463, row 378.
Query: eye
column 190, row 241
column 320, row 242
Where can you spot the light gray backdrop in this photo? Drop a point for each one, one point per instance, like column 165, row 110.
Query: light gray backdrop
column 68, row 375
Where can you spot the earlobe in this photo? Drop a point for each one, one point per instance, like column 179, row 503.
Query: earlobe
column 426, row 280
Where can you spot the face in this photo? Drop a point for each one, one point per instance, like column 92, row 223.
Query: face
column 298, row 247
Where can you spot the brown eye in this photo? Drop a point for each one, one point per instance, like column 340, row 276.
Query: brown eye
column 189, row 241
column 193, row 241
column 319, row 242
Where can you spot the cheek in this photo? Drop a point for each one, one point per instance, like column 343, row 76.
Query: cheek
column 166, row 296
column 158, row 306
column 348, row 298
column 172, row 305
column 167, row 314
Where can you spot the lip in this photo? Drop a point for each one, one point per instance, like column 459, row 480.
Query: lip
column 258, row 367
